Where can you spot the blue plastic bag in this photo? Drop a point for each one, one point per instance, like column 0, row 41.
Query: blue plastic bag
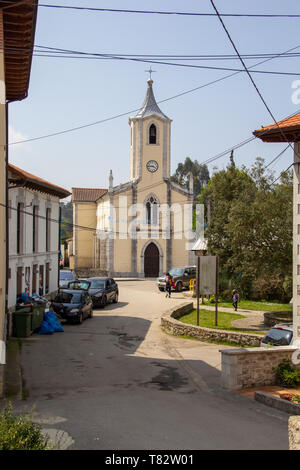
column 51, row 318
column 46, row 328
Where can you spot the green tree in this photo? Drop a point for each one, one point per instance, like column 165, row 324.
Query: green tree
column 251, row 226
column 200, row 174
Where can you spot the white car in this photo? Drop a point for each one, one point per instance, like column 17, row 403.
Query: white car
column 278, row 335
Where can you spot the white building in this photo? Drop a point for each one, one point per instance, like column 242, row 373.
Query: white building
column 34, row 245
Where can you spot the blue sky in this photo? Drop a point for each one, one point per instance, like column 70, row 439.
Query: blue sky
column 66, row 93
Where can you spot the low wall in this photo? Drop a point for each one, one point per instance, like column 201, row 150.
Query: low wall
column 294, row 432
column 244, row 368
column 170, row 323
column 271, row 318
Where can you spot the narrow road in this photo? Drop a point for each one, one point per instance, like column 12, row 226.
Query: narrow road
column 118, row 382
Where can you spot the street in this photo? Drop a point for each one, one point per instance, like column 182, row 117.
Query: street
column 119, row 382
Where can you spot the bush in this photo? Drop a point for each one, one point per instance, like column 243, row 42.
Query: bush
column 286, row 374
column 271, row 288
column 19, row 433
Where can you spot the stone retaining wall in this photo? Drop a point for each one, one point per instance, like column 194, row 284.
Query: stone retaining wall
column 244, row 368
column 170, row 323
column 294, row 432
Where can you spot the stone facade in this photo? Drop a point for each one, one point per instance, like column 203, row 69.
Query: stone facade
column 244, row 368
column 294, row 432
column 170, row 323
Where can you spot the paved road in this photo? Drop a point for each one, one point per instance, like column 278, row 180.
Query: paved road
column 118, row 382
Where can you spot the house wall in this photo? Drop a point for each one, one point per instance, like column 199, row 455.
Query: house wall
column 84, row 215
column 26, row 259
column 3, row 157
column 296, row 246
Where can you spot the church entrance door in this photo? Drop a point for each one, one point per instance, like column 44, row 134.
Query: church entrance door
column 151, row 261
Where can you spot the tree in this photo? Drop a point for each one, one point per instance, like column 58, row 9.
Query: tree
column 200, row 174
column 251, row 225
column 66, row 220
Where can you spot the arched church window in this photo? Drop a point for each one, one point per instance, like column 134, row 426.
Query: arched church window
column 152, row 210
column 152, row 134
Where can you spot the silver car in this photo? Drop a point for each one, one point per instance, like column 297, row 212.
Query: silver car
column 181, row 278
column 278, row 335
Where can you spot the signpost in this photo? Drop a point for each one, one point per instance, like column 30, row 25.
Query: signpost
column 207, row 275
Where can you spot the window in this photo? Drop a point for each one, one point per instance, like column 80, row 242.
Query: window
column 20, row 226
column 152, row 134
column 35, row 229
column 48, row 215
column 41, row 281
column 34, row 278
column 47, row 278
column 152, row 210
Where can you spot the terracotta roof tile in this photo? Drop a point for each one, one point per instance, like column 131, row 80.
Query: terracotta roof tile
column 289, row 126
column 38, row 183
column 87, row 194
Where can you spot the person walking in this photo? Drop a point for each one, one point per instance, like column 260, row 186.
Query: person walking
column 235, row 299
column 168, row 281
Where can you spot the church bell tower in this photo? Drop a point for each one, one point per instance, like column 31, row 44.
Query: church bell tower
column 150, row 141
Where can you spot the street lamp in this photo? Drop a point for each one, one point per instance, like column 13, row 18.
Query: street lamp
column 200, row 249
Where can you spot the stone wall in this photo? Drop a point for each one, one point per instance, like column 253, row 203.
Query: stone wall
column 170, row 323
column 294, row 432
column 243, row 368
column 82, row 273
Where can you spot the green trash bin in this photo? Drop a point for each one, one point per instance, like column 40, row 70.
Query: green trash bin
column 22, row 322
column 37, row 317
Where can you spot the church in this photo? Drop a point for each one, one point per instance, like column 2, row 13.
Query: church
column 142, row 228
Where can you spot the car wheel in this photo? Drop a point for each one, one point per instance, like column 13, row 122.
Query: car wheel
column 116, row 298
column 161, row 289
column 103, row 301
column 179, row 287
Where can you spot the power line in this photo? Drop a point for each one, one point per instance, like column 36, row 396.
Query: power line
column 170, row 13
column 178, row 95
column 152, row 61
column 249, row 74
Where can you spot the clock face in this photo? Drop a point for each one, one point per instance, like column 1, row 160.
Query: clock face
column 152, row 166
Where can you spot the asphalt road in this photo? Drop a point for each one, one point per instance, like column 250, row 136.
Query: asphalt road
column 118, row 382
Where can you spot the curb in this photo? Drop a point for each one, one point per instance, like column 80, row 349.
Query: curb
column 278, row 403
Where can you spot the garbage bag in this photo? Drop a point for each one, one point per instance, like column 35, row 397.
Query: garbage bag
column 51, row 318
column 46, row 328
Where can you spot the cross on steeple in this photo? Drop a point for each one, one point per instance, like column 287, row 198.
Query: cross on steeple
column 150, row 71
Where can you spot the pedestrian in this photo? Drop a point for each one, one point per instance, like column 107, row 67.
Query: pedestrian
column 235, row 299
column 168, row 281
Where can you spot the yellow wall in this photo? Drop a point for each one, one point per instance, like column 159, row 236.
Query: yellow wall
column 85, row 216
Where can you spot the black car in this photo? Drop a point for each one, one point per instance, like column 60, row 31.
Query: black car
column 103, row 290
column 73, row 305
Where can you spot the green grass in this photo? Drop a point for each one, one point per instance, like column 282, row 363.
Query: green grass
column 207, row 320
column 257, row 305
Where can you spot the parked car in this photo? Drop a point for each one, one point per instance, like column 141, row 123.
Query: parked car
column 278, row 335
column 103, row 290
column 65, row 276
column 73, row 305
column 181, row 278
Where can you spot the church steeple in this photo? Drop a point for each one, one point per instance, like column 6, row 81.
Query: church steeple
column 150, row 132
column 150, row 107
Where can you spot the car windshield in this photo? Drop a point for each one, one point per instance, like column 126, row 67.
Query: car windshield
column 68, row 298
column 278, row 337
column 97, row 284
column 66, row 275
column 176, row 271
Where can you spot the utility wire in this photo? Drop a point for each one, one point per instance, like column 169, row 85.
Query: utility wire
column 250, row 76
column 137, row 109
column 170, row 13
